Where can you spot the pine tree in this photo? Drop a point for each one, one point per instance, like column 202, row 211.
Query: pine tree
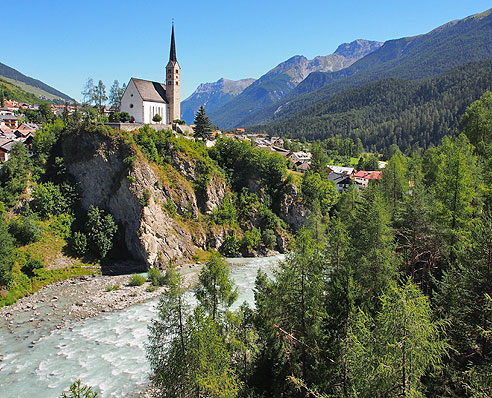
column 203, row 125
column 389, row 353
column 216, row 290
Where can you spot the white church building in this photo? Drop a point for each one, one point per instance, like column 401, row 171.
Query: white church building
column 143, row 99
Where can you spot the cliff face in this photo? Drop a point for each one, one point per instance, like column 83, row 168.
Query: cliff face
column 156, row 207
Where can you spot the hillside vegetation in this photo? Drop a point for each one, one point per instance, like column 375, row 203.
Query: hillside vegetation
column 407, row 113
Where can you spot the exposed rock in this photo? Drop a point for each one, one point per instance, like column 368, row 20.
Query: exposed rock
column 144, row 199
column 292, row 209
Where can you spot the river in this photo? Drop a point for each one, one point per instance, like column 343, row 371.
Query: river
column 106, row 352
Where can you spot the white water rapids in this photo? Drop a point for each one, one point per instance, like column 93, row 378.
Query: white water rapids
column 106, row 352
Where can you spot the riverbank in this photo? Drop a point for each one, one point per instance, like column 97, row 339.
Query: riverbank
column 57, row 305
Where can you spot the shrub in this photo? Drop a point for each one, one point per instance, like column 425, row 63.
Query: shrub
column 49, row 200
column 157, row 118
column 155, row 277
column 144, row 201
column 269, row 239
column 131, row 179
column 78, row 391
column 25, row 230
column 226, row 213
column 251, row 239
column 100, row 230
column 62, row 225
column 151, row 288
column 31, row 265
column 79, row 243
column 111, row 288
column 230, row 246
column 136, row 280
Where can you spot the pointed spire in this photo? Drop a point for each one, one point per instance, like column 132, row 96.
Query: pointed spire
column 172, row 54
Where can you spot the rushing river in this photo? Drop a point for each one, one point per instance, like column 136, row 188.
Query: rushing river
column 107, row 352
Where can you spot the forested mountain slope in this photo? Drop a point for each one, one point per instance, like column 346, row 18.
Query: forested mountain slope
column 423, row 56
column 393, row 111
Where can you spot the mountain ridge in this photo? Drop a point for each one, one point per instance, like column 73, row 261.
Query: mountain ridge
column 281, row 79
column 417, row 57
column 30, row 84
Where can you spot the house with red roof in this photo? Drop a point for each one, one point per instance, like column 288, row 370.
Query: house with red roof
column 363, row 177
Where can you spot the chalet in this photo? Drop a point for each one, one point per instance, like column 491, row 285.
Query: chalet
column 363, row 177
column 350, row 171
column 341, row 180
column 303, row 167
column 240, row 130
column 9, row 121
column 5, row 148
column 300, row 157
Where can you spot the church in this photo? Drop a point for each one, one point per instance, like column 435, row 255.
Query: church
column 143, row 99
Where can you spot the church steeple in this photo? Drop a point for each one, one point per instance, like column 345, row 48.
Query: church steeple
column 173, row 77
column 172, row 53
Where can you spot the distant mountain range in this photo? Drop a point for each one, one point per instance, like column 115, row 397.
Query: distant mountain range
column 412, row 58
column 212, row 96
column 300, row 88
column 32, row 86
column 279, row 81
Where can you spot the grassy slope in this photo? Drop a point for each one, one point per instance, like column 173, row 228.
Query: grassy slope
column 49, row 249
column 12, row 92
column 38, row 92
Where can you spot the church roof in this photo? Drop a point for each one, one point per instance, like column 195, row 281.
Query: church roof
column 151, row 91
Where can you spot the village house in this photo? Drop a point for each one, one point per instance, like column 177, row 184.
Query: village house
column 350, row 171
column 9, row 121
column 341, row 180
column 363, row 177
column 300, row 157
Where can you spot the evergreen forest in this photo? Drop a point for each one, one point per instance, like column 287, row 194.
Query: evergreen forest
column 407, row 113
column 387, row 292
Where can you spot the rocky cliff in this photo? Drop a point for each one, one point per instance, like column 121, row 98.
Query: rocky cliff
column 156, row 207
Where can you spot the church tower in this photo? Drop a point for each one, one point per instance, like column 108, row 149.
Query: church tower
column 173, row 77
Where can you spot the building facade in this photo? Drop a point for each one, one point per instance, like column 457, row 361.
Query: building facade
column 143, row 99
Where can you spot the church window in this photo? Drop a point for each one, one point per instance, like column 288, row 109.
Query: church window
column 169, row 82
column 131, row 105
column 177, row 83
column 177, row 71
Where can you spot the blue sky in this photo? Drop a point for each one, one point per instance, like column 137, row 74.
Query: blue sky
column 62, row 43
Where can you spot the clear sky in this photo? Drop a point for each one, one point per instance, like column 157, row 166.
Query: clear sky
column 62, row 43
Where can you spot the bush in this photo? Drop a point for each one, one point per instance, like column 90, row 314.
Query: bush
column 79, row 243
column 151, row 288
column 111, row 288
column 230, row 246
column 269, row 239
column 155, row 277
column 62, row 225
column 101, row 229
column 48, row 200
column 31, row 265
column 136, row 280
column 78, row 391
column 25, row 230
column 157, row 118
column 144, row 201
column 251, row 239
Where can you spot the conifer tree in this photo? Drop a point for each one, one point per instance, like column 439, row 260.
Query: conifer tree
column 389, row 353
column 203, row 125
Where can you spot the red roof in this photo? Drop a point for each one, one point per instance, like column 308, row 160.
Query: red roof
column 369, row 175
